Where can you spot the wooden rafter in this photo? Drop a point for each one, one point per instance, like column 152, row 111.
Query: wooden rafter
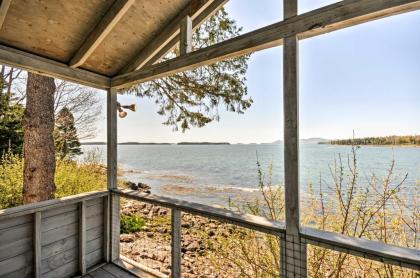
column 167, row 39
column 37, row 64
column 104, row 27
column 4, row 7
column 333, row 17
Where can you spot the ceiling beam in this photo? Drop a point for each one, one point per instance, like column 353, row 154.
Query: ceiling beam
column 198, row 10
column 104, row 27
column 33, row 63
column 333, row 17
column 4, row 7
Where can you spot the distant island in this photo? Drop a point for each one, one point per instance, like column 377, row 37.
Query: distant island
column 407, row 140
column 203, row 143
column 146, row 143
column 306, row 141
column 93, row 143
column 124, row 143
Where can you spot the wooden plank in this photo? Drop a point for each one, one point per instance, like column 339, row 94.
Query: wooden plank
column 37, row 244
column 59, row 233
column 94, row 221
column 95, row 210
column 241, row 219
column 377, row 250
column 49, row 205
column 33, row 63
column 169, row 35
column 185, row 42
column 93, row 245
column 94, row 202
column 104, row 27
column 94, row 233
column 176, row 243
column 100, row 273
column 55, row 248
column 15, row 248
column 59, row 246
column 66, row 270
column 333, row 17
column 117, row 271
column 8, row 223
column 59, row 220
column 82, row 237
column 57, row 211
column 54, row 262
column 94, row 257
column 25, row 272
column 4, row 7
column 15, row 233
column 203, row 16
column 16, row 263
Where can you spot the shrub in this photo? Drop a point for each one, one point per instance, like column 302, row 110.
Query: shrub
column 71, row 178
column 131, row 224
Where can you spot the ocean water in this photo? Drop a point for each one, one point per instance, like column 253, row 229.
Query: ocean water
column 214, row 173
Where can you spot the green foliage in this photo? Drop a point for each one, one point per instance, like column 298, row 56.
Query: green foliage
column 131, row 224
column 388, row 140
column 11, row 132
column 71, row 178
column 67, row 143
column 192, row 99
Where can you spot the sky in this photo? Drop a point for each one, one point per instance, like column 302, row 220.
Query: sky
column 364, row 79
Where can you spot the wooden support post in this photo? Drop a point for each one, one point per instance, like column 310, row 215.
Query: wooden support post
column 185, row 42
column 291, row 134
column 82, row 237
column 293, row 249
column 37, row 244
column 114, row 220
column 176, row 243
column 4, row 7
column 107, row 221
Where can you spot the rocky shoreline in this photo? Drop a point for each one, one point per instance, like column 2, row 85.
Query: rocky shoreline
column 151, row 246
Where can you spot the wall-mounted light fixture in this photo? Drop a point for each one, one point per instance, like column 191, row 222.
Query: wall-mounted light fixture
column 121, row 112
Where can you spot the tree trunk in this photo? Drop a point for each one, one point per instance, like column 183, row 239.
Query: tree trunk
column 39, row 150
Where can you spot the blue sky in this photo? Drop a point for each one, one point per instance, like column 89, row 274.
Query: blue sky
column 364, row 78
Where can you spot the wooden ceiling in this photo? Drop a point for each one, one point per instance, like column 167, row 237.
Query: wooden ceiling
column 101, row 36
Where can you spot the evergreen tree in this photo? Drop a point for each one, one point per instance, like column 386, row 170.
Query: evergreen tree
column 11, row 115
column 11, row 132
column 191, row 99
column 65, row 135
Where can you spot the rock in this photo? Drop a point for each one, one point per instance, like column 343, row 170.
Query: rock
column 143, row 185
column 211, row 233
column 149, row 234
column 193, row 246
column 127, row 238
column 186, row 225
column 131, row 185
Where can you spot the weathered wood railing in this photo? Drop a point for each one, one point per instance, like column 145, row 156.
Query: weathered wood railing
column 55, row 238
column 374, row 250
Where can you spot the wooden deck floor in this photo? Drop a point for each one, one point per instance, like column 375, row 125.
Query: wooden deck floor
column 110, row 271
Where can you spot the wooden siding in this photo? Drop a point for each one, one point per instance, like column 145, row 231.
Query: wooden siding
column 44, row 241
column 16, row 255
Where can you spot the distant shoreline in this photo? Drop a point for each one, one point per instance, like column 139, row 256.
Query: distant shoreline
column 373, row 145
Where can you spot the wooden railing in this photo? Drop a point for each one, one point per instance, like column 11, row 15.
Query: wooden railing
column 374, row 250
column 55, row 238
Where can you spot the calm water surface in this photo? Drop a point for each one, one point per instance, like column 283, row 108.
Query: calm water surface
column 212, row 173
